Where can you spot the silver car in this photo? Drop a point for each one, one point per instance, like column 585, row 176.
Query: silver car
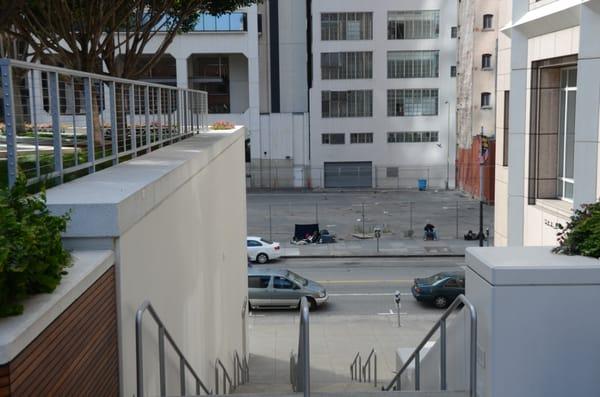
column 282, row 288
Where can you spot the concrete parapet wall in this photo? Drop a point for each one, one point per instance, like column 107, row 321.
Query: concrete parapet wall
column 176, row 219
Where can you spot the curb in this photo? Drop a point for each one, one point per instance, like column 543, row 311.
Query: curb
column 374, row 256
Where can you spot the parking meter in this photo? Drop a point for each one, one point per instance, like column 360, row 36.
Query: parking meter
column 377, row 232
column 398, row 305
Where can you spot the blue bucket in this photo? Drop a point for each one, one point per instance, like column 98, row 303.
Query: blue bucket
column 422, row 184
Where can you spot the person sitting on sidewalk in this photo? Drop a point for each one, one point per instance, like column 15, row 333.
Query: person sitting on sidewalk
column 430, row 232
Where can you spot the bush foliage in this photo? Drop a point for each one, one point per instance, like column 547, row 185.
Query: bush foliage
column 32, row 258
column 581, row 236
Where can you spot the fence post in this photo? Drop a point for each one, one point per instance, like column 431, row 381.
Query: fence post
column 55, row 112
column 9, row 118
column 89, row 123
column 112, row 98
column 132, row 120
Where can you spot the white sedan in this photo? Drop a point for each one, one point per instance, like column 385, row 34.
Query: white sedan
column 261, row 250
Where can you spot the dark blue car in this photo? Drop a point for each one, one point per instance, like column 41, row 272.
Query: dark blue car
column 440, row 289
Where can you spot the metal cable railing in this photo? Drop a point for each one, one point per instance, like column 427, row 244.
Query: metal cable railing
column 60, row 124
column 441, row 325
column 162, row 335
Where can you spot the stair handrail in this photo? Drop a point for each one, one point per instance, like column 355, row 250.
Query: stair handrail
column 355, row 366
column 302, row 366
column 441, row 324
column 293, row 365
column 241, row 373
column 226, row 378
column 367, row 367
column 162, row 334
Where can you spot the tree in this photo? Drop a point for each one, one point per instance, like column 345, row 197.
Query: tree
column 105, row 36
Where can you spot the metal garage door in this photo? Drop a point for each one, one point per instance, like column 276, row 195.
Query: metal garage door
column 349, row 174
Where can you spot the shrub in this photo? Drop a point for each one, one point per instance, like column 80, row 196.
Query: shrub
column 222, row 125
column 581, row 236
column 32, row 258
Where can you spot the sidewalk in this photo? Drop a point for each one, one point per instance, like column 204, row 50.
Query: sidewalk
column 387, row 248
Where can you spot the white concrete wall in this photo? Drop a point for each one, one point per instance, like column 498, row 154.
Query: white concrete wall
column 178, row 232
column 380, row 152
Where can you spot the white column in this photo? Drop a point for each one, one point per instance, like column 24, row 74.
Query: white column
column 182, row 72
column 517, row 138
column 588, row 101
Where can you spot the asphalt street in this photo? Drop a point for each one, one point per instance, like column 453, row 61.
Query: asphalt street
column 366, row 287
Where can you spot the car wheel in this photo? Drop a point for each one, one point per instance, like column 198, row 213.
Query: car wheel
column 440, row 301
column 262, row 258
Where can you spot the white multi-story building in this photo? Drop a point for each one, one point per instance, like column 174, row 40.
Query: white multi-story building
column 548, row 117
column 382, row 95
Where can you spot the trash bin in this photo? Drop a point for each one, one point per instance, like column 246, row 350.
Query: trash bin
column 422, row 184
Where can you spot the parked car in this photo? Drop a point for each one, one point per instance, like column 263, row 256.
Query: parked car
column 261, row 250
column 282, row 288
column 440, row 289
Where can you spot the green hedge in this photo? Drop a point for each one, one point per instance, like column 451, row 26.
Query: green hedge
column 32, row 258
column 581, row 236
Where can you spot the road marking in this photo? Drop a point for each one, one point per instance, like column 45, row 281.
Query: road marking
column 362, row 281
column 391, row 313
column 369, row 294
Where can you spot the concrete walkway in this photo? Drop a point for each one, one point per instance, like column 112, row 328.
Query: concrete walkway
column 387, row 248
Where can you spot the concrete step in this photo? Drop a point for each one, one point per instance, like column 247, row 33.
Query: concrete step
column 365, row 394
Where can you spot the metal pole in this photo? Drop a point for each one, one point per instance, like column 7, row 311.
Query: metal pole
column 481, row 160
column 448, row 150
column 270, row 225
column 443, row 383
column 182, row 375
column 398, row 306
column 89, row 123
column 417, row 371
column 161, row 360
column 10, row 119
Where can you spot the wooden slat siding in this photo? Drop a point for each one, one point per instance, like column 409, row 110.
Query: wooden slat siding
column 76, row 355
column 67, row 329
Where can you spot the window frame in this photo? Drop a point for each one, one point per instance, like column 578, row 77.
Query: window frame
column 486, row 100
column 486, row 62
column 488, row 22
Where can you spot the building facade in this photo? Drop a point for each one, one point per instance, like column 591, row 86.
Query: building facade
column 382, row 93
column 548, row 119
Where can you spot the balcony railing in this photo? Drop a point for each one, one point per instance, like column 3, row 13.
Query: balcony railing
column 60, row 124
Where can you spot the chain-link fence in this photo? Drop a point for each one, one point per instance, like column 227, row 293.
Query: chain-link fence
column 397, row 219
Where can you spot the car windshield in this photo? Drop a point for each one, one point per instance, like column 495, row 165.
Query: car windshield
column 266, row 241
column 296, row 278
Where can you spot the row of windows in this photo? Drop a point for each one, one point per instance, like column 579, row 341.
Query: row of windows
column 413, row 64
column 357, row 103
column 412, row 136
column 347, row 26
column 392, row 137
column 406, row 25
column 346, row 65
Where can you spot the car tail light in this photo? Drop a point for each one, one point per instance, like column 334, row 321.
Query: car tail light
column 276, row 247
column 417, row 289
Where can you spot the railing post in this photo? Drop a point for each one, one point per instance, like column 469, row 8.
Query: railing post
column 443, row 384
column 89, row 123
column 473, row 352
column 139, row 355
column 375, row 370
column 417, row 371
column 147, row 117
column 132, row 120
column 216, row 378
column 161, row 360
column 114, row 137
column 160, row 117
column 360, row 372
column 56, row 133
column 9, row 118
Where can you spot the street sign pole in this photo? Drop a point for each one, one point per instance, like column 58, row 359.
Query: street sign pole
column 398, row 305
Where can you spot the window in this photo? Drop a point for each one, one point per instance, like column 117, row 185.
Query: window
column 413, row 64
column 361, row 137
column 486, row 61
column 506, row 120
column 391, row 172
column 282, row 283
column 452, row 71
column 412, row 136
column 253, row 243
column 210, row 73
column 451, row 283
column 419, row 24
column 454, row 32
column 346, row 65
column 333, row 139
column 347, row 103
column 486, row 98
column 566, row 133
column 487, row 21
column 347, row 26
column 232, row 22
column 258, row 281
column 412, row 102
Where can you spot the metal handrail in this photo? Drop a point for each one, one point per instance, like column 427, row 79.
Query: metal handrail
column 355, row 366
column 366, row 368
column 162, row 334
column 293, row 365
column 441, row 324
column 241, row 371
column 300, row 368
column 226, row 378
